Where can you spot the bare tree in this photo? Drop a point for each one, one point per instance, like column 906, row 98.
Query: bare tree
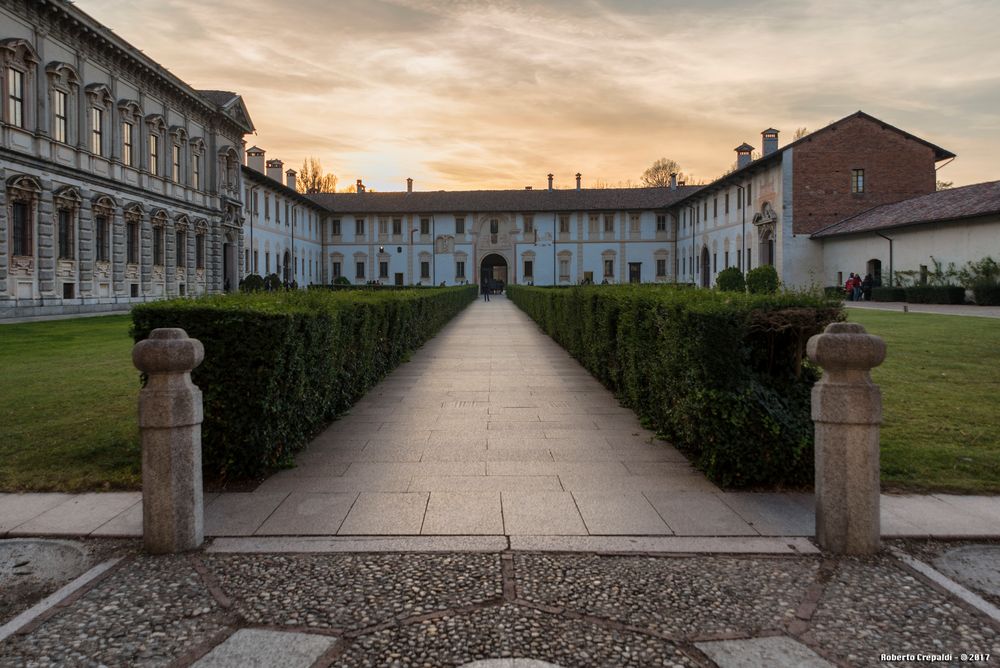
column 658, row 174
column 800, row 133
column 311, row 178
column 944, row 185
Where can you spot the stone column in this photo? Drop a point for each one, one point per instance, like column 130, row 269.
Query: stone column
column 170, row 415
column 847, row 411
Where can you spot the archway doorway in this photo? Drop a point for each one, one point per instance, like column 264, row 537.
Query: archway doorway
column 875, row 269
column 286, row 268
column 493, row 268
column 706, row 269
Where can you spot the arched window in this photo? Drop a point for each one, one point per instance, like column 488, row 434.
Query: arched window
column 23, row 193
column 159, row 222
column 99, row 103
column 200, row 236
column 197, row 148
column 156, row 132
column 133, row 226
column 229, row 169
column 181, row 225
column 67, row 205
column 103, row 212
column 64, row 86
column 19, row 62
column 178, row 142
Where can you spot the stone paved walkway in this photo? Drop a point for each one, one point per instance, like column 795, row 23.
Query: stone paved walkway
column 492, row 430
column 941, row 309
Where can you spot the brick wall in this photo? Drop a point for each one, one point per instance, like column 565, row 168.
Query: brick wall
column 896, row 168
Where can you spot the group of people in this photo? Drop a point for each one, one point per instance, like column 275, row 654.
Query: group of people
column 490, row 287
column 859, row 289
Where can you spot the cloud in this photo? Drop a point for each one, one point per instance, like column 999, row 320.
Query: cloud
column 496, row 93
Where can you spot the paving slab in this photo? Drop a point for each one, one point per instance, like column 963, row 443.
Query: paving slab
column 239, row 513
column 340, row 544
column 79, row 515
column 308, row 513
column 774, row 514
column 386, row 513
column 473, row 483
column 463, row 513
column 664, row 544
column 936, row 516
column 773, row 652
column 698, row 514
column 16, row 509
column 622, row 514
column 261, row 648
column 541, row 513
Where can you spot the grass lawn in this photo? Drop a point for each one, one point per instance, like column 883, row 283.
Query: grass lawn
column 68, row 406
column 941, row 401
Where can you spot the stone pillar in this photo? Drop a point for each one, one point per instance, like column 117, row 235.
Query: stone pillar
column 170, row 415
column 847, row 410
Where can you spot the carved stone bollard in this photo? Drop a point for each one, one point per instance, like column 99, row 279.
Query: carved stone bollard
column 170, row 415
column 847, row 411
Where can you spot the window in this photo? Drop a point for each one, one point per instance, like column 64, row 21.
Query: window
column 336, row 270
column 661, row 268
column 739, row 260
column 335, row 227
column 635, row 225
column 359, row 269
column 101, row 238
column 726, row 259
column 359, row 230
column 609, row 268
column 397, row 226
column 857, row 180
column 267, row 206
column 175, row 168
column 739, row 199
column 749, row 193
column 529, row 268
column 563, row 224
column 494, row 226
column 96, row 131
column 60, row 129
column 460, row 269
column 180, row 239
column 255, row 205
column 705, row 214
column 661, row 223
column 154, row 154
column 132, row 242
column 715, row 262
column 425, row 226
column 158, row 245
column 15, row 97
column 425, row 269
column 715, row 207
column 383, row 269
column 563, row 270
column 383, row 227
column 66, row 235
column 529, row 224
column 460, row 229
column 727, row 203
column 22, row 228
column 196, row 171
column 128, row 153
column 288, row 215
column 609, row 224
column 255, row 258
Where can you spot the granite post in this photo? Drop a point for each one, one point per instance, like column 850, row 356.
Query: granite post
column 847, row 411
column 170, row 415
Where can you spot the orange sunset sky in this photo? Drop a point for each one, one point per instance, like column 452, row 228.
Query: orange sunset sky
column 463, row 94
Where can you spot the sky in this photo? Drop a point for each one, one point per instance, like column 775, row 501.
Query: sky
column 469, row 94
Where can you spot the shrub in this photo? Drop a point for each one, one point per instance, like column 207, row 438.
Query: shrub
column 887, row 294
column 252, row 283
column 986, row 293
column 279, row 366
column 762, row 280
column 935, row 294
column 272, row 282
column 834, row 292
column 342, row 280
column 720, row 375
column 731, row 280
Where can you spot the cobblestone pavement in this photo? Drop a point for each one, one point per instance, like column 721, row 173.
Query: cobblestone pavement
column 421, row 609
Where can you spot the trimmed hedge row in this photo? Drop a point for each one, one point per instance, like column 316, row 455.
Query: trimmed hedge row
column 986, row 293
column 921, row 294
column 279, row 366
column 719, row 375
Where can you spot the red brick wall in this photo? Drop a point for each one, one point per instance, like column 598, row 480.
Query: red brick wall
column 896, row 168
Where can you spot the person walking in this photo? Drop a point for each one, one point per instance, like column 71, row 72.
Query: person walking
column 484, row 289
column 849, row 287
column 856, row 284
column 866, row 287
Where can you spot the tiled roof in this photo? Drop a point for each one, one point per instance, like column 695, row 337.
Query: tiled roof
column 599, row 199
column 944, row 205
column 252, row 175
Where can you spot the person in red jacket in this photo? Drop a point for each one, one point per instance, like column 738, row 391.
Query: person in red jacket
column 856, row 287
column 849, row 287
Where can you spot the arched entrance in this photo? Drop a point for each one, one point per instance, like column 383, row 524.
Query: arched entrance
column 875, row 269
column 706, row 269
column 493, row 268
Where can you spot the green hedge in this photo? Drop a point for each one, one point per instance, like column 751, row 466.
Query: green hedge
column 887, row 294
column 986, row 293
column 935, row 294
column 279, row 366
column 720, row 375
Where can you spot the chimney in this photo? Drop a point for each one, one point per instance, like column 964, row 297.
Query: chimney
column 255, row 159
column 743, row 152
column 290, row 178
column 578, row 180
column 527, row 187
column 360, row 186
column 769, row 141
column 673, row 180
column 550, row 182
column 274, row 169
column 409, row 185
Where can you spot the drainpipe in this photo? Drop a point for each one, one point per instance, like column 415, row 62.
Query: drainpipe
column 891, row 276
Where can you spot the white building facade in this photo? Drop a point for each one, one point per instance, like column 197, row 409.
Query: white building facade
column 121, row 183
